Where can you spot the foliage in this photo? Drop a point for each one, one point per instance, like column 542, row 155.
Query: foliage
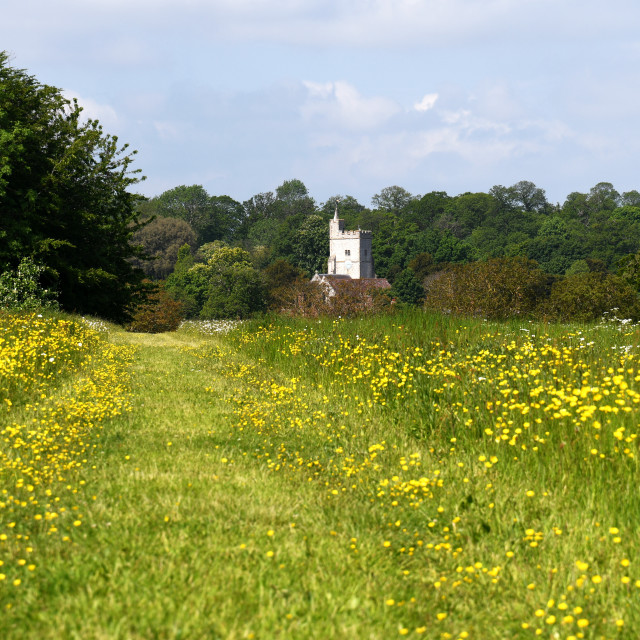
column 349, row 209
column 344, row 299
column 229, row 216
column 64, row 197
column 627, row 212
column 227, row 285
column 629, row 270
column 451, row 249
column 189, row 203
column 465, row 213
column 497, row 288
column 292, row 191
column 21, row 288
column 263, row 233
column 425, row 210
column 407, row 288
column 261, row 256
column 259, row 207
column 523, row 194
column 292, row 199
column 423, row 265
column 206, row 251
column 392, row 199
column 161, row 239
column 395, row 245
column 298, row 298
column 311, row 246
column 185, row 284
column 427, row 233
column 211, row 217
column 278, row 276
column 631, row 198
column 235, row 291
column 585, row 297
column 157, row 313
column 356, row 298
column 604, row 197
column 579, row 266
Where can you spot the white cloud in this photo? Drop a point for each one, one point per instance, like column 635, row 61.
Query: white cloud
column 427, row 102
column 94, row 110
column 168, row 130
column 340, row 104
column 324, row 23
column 496, row 100
column 127, row 51
column 466, row 120
column 457, row 140
column 424, row 22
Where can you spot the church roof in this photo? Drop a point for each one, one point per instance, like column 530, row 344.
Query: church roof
column 330, row 276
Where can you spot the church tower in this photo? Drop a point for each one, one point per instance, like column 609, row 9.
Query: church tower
column 349, row 251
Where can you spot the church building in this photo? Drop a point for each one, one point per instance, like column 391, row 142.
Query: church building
column 349, row 251
column 350, row 261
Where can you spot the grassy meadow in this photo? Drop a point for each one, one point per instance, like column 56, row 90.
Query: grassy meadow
column 402, row 475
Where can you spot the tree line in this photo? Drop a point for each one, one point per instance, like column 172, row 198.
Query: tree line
column 589, row 231
column 71, row 223
column 414, row 236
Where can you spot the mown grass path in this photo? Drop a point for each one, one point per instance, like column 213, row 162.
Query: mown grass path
column 179, row 528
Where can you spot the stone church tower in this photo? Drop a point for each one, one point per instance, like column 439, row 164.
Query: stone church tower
column 349, row 251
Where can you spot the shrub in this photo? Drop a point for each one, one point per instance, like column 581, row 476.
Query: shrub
column 157, row 314
column 226, row 286
column 234, row 291
column 585, row 297
column 298, row 298
column 407, row 288
column 498, row 288
column 278, row 276
column 344, row 298
column 20, row 289
column 356, row 297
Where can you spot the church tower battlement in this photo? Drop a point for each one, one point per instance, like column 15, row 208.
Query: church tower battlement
column 349, row 251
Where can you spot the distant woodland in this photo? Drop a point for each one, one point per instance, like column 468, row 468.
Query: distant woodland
column 502, row 253
column 74, row 234
column 589, row 231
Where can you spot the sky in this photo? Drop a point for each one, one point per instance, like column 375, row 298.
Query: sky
column 349, row 96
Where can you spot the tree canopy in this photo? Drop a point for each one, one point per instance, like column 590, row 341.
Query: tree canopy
column 227, row 285
column 64, row 197
column 211, row 217
column 161, row 239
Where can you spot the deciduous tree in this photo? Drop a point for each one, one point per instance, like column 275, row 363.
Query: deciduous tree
column 65, row 197
column 311, row 246
column 393, row 199
column 161, row 239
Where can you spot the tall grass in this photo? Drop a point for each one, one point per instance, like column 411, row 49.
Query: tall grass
column 402, row 475
column 510, row 448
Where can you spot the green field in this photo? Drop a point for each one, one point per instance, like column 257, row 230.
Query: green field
column 402, row 475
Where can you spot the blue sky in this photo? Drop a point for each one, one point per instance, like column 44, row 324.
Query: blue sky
column 350, row 96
